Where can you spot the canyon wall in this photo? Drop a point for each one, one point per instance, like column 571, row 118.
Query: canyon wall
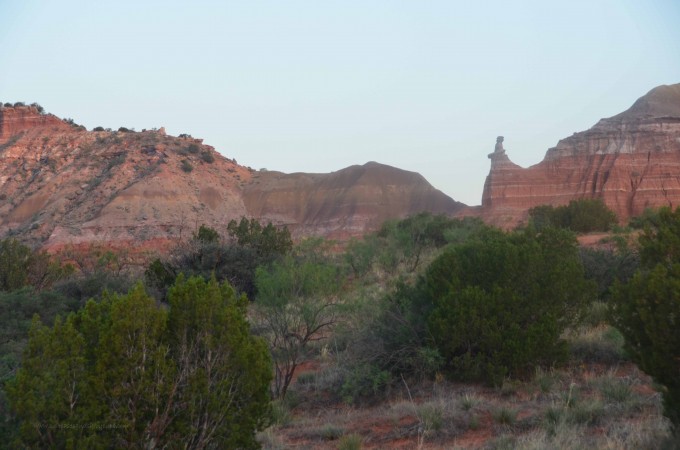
column 631, row 161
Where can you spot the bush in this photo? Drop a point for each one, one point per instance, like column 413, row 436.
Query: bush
column 187, row 375
column 207, row 234
column 580, row 216
column 208, row 157
column 98, row 129
column 193, row 148
column 40, row 109
column 186, row 166
column 647, row 312
column 647, row 309
column 501, row 302
column 365, row 383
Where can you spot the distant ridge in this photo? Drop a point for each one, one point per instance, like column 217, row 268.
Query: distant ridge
column 63, row 185
column 662, row 101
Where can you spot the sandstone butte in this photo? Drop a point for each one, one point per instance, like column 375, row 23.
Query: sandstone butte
column 61, row 185
column 631, row 161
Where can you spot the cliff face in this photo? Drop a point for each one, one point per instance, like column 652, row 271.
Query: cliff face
column 21, row 119
column 631, row 161
column 62, row 185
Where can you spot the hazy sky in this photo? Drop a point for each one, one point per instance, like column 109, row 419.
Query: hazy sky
column 315, row 86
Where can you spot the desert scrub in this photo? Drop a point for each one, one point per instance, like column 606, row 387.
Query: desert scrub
column 207, row 156
column 331, row 432
column 544, row 381
column 280, row 413
column 601, row 344
column 186, row 166
column 350, row 442
column 468, row 401
column 431, row 415
column 504, row 415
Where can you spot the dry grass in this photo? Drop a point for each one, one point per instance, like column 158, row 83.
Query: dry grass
column 596, row 402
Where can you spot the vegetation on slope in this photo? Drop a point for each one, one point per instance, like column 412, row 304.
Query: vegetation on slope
column 387, row 321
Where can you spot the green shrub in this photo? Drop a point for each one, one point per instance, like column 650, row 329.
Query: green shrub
column 40, row 109
column 208, row 157
column 365, row 383
column 504, row 416
column 501, row 302
column 647, row 309
column 581, row 216
column 98, row 129
column 193, row 148
column 186, row 166
column 647, row 312
column 350, row 442
column 331, row 432
column 190, row 374
column 207, row 234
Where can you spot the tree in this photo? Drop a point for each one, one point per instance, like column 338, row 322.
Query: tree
column 20, row 266
column 15, row 260
column 501, row 302
column 207, row 234
column 267, row 241
column 126, row 373
column 646, row 310
column 234, row 261
column 581, row 216
column 297, row 301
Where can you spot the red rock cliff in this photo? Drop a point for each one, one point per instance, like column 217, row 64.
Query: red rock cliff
column 631, row 161
column 15, row 120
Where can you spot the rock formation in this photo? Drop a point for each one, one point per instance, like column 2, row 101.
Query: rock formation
column 22, row 119
column 631, row 161
column 344, row 203
column 63, row 185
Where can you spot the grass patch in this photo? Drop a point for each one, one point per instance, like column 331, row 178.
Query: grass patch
column 331, row 432
column 601, row 344
column 468, row 401
column 504, row 415
column 350, row 442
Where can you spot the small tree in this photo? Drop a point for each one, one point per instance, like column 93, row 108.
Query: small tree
column 207, row 234
column 15, row 260
column 297, row 301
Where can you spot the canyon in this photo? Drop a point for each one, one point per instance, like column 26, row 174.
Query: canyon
column 62, row 185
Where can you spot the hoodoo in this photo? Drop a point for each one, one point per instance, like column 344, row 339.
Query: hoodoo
column 631, row 161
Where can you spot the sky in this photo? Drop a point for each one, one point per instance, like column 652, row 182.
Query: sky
column 316, row 86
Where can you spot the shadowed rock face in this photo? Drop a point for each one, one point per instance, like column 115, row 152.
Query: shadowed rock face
column 631, row 161
column 344, row 203
column 61, row 185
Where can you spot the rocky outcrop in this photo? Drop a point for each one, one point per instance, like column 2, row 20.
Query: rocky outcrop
column 631, row 161
column 62, row 185
column 16, row 120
